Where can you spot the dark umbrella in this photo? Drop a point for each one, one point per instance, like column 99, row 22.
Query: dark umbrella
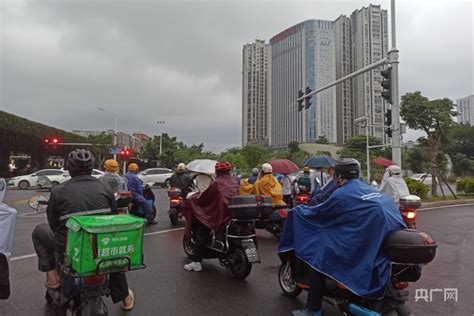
column 384, row 162
column 283, row 166
column 320, row 162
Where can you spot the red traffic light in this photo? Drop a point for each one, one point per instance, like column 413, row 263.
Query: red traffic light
column 46, row 141
column 55, row 140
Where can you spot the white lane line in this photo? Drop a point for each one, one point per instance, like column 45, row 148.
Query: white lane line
column 445, row 206
column 33, row 255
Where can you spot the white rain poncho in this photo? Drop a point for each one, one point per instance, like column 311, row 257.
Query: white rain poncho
column 393, row 184
column 7, row 222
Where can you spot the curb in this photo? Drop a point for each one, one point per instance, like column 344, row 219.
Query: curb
column 446, row 203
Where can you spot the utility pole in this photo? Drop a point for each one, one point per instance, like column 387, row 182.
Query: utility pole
column 161, row 123
column 393, row 59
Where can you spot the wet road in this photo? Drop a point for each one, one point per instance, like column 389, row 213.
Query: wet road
column 164, row 288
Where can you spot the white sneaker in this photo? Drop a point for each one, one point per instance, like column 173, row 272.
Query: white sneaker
column 193, row 266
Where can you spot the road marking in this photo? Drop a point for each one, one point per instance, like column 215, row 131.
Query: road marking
column 16, row 202
column 444, row 206
column 32, row 255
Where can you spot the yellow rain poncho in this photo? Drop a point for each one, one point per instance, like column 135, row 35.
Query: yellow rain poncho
column 246, row 188
column 268, row 185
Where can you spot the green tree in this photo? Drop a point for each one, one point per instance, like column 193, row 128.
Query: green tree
column 293, row 147
column 462, row 165
column 101, row 147
column 322, row 140
column 255, row 155
column 356, row 147
column 237, row 160
column 434, row 117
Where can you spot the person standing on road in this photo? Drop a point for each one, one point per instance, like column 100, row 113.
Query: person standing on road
column 135, row 186
column 82, row 195
column 7, row 229
column 181, row 180
column 286, row 189
column 112, row 178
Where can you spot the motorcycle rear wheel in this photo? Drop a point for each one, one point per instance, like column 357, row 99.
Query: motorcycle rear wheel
column 286, row 281
column 241, row 267
column 174, row 219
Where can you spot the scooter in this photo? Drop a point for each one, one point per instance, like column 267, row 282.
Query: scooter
column 83, row 294
column 302, row 197
column 149, row 196
column 275, row 223
column 409, row 204
column 176, row 200
column 406, row 248
column 235, row 246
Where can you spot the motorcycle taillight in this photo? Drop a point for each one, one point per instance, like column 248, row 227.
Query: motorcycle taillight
column 409, row 216
column 400, row 285
column 283, row 213
column 94, row 280
column 175, row 201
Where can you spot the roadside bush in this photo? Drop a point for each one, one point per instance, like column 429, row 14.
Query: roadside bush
column 417, row 188
column 465, row 185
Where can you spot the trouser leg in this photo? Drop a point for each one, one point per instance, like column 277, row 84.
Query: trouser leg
column 43, row 241
column 146, row 207
column 316, row 289
column 118, row 286
column 201, row 236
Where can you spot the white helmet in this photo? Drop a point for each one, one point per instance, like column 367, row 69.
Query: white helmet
column 181, row 167
column 267, row 168
column 394, row 170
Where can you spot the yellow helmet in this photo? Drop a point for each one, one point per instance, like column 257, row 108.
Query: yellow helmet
column 132, row 167
column 111, row 165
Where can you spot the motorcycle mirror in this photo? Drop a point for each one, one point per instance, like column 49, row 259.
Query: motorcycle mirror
column 38, row 202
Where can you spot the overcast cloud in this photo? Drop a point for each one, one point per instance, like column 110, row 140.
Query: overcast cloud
column 180, row 61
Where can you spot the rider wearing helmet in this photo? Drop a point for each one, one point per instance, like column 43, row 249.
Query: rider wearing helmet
column 253, row 178
column 393, row 184
column 305, row 179
column 82, row 195
column 357, row 217
column 112, row 178
column 135, row 186
column 181, row 180
column 207, row 211
column 268, row 185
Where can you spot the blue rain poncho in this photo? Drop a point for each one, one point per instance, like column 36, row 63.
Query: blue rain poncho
column 7, row 222
column 342, row 237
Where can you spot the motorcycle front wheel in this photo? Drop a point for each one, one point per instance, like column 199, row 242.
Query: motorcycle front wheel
column 287, row 282
column 188, row 246
column 240, row 267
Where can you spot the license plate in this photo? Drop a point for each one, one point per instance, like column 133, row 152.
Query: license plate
column 250, row 250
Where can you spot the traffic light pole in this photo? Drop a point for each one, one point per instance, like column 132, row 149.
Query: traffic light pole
column 393, row 59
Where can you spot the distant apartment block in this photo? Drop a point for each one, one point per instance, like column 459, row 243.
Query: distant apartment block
column 255, row 104
column 466, row 110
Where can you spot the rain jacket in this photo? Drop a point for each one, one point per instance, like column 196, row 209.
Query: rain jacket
column 7, row 222
column 342, row 237
column 116, row 182
column 394, row 186
column 269, row 186
column 211, row 206
column 134, row 185
column 246, row 188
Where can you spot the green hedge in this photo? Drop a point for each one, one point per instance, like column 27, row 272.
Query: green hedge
column 417, row 188
column 465, row 185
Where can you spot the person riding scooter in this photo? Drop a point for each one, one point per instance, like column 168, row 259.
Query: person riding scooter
column 112, row 178
column 82, row 195
column 208, row 211
column 7, row 229
column 268, row 185
column 393, row 184
column 135, row 186
column 341, row 237
column 181, row 180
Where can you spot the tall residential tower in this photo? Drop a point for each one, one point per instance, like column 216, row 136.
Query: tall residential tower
column 466, row 110
column 255, row 103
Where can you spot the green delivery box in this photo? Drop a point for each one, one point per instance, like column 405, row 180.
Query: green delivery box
column 104, row 242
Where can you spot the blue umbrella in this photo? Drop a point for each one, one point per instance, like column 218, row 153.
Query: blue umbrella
column 320, row 161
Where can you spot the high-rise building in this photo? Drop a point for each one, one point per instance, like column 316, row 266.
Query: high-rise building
column 254, row 93
column 302, row 55
column 466, row 110
column 344, row 105
column 369, row 36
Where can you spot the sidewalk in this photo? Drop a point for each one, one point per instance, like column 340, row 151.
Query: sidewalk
column 447, row 203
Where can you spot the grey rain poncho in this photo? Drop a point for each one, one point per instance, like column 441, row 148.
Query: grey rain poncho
column 7, row 222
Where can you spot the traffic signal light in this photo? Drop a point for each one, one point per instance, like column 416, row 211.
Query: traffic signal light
column 51, row 141
column 388, row 122
column 307, row 100
column 387, row 84
column 300, row 102
column 125, row 153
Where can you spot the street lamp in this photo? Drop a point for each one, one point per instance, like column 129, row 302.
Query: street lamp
column 115, row 130
column 161, row 123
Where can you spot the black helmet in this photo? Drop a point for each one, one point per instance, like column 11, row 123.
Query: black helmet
column 347, row 168
column 80, row 162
